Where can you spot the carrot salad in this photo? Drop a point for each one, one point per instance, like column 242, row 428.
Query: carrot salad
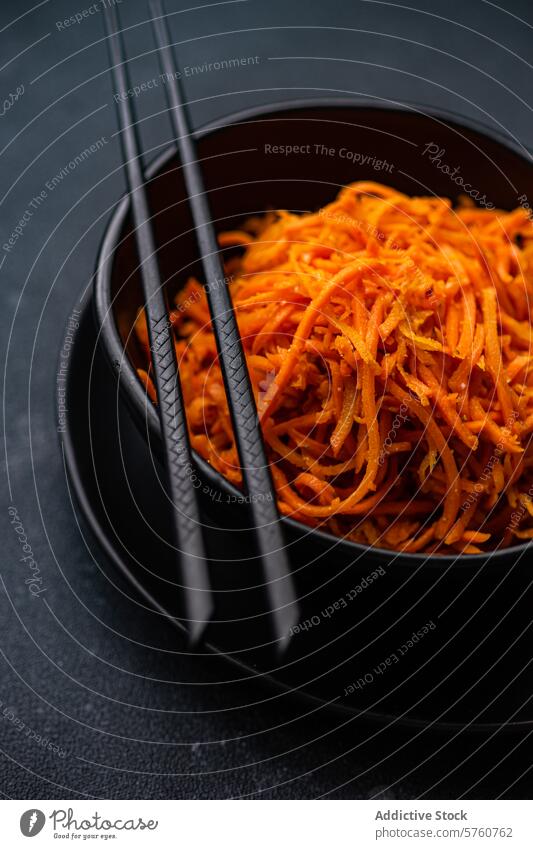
column 388, row 340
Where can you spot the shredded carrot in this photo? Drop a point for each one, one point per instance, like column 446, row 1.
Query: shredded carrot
column 388, row 344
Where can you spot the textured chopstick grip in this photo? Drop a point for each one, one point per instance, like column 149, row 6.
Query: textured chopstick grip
column 178, row 463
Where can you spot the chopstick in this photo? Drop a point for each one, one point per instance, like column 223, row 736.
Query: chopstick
column 187, row 526
column 257, row 481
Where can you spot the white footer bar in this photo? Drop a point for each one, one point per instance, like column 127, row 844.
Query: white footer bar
column 261, row 824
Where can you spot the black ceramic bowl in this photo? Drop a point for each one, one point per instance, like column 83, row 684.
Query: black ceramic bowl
column 244, row 175
column 297, row 156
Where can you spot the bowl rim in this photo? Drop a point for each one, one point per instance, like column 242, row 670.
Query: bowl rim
column 107, row 330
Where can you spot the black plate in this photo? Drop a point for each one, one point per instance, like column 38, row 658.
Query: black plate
column 115, row 481
column 442, row 641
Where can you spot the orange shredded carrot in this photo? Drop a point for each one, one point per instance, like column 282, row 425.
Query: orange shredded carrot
column 388, row 343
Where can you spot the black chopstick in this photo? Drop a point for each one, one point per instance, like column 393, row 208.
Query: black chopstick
column 187, row 527
column 255, row 470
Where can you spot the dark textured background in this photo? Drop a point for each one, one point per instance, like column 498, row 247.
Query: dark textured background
column 84, row 667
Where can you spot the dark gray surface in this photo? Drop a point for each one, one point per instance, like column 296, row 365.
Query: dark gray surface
column 83, row 666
